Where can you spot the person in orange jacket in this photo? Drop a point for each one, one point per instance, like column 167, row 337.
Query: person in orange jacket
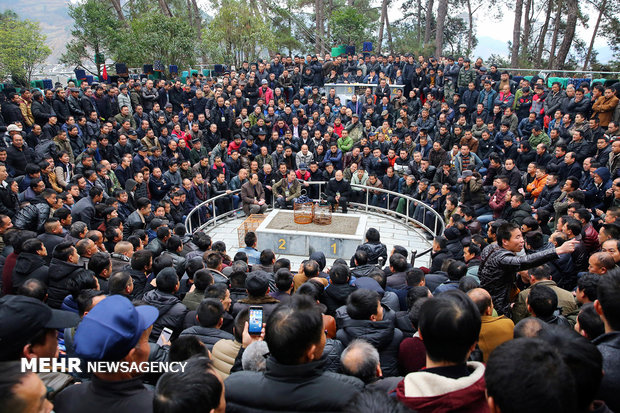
column 534, row 189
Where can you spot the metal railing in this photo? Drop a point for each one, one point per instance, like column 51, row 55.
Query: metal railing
column 435, row 226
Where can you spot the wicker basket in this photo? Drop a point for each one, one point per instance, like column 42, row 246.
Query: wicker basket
column 303, row 212
column 250, row 224
column 322, row 214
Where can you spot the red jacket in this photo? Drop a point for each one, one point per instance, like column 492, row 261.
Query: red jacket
column 431, row 393
column 590, row 238
column 266, row 94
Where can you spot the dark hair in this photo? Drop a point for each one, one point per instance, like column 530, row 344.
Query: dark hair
column 284, row 279
column 213, row 259
column 250, row 239
column 609, row 297
column 85, row 298
column 98, row 262
column 185, row 347
column 311, row 268
column 590, row 321
column 416, row 293
column 374, row 401
column 573, row 225
column 360, row 257
column 209, row 312
column 504, row 232
column 140, row 259
column 456, row 270
column 292, row 328
column 543, row 301
column 63, row 251
column 193, row 265
column 166, row 280
column 468, row 283
column 32, row 245
column 196, row 388
column 450, row 325
column 118, row 282
column 281, row 263
column 398, row 262
column 532, row 361
column 202, row 241
column 362, row 303
column 339, row 274
column 33, row 288
column 373, row 236
column 174, row 243
column 588, row 285
column 267, row 256
column 415, row 276
column 81, row 279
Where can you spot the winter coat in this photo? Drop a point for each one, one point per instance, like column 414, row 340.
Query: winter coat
column 223, row 355
column 336, row 295
column 301, row 388
column 381, row 334
column 609, row 346
column 374, row 251
column 498, row 271
column 208, row 336
column 171, row 313
column 59, row 274
column 29, row 266
column 427, row 392
column 33, row 216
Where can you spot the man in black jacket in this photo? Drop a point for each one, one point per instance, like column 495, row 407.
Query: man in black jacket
column 209, row 316
column 10, row 109
column 373, row 247
column 171, row 311
column 366, row 322
column 295, row 337
column 338, row 191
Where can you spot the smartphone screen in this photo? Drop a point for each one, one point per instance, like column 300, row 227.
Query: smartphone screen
column 164, row 336
column 256, row 320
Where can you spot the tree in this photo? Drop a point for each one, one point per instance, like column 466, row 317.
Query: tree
column 428, row 20
column 516, row 34
column 154, row 36
column 95, row 30
column 234, row 35
column 569, row 35
column 349, row 25
column 442, row 11
column 22, row 48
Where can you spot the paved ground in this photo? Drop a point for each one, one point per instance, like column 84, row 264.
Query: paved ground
column 392, row 233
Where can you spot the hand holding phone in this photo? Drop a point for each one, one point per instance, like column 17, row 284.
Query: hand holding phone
column 256, row 321
column 164, row 337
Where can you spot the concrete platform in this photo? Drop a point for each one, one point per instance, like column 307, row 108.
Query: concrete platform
column 393, row 232
column 337, row 240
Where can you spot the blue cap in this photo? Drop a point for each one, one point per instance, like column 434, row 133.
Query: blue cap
column 112, row 328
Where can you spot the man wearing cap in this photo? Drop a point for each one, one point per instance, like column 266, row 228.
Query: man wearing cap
column 29, row 330
column 114, row 330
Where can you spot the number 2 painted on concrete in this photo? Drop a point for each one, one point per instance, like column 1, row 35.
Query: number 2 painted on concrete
column 282, row 245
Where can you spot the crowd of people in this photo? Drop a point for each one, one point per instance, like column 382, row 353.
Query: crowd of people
column 519, row 309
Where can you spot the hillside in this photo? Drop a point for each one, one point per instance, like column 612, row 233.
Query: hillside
column 51, row 15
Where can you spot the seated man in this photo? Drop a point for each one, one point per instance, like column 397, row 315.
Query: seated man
column 450, row 326
column 287, row 190
column 295, row 337
column 338, row 192
column 253, row 196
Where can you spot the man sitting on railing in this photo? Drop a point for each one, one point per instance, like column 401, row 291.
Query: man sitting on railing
column 338, row 192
